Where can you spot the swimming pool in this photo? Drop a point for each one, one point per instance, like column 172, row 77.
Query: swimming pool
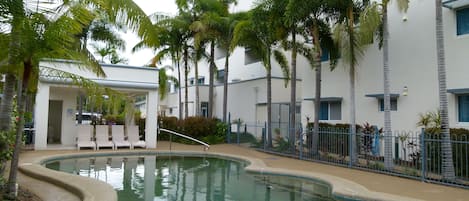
column 151, row 177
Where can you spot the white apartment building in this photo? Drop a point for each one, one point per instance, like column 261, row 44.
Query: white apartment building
column 414, row 82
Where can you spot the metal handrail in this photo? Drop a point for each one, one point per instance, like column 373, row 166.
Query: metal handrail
column 207, row 146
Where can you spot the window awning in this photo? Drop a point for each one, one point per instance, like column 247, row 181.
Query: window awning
column 326, row 99
column 381, row 96
column 455, row 4
column 459, row 91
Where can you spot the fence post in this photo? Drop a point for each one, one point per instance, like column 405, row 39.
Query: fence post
column 301, row 145
column 263, row 138
column 350, row 149
column 265, row 131
column 228, row 132
column 237, row 131
column 423, row 154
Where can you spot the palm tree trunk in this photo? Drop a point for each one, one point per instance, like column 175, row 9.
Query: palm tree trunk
column 447, row 153
column 317, row 98
column 6, row 105
column 388, row 163
column 186, row 89
column 7, row 102
column 197, row 97
column 269, row 98
column 225, row 86
column 353, row 140
column 21, row 97
column 179, row 90
column 292, row 125
column 211, row 79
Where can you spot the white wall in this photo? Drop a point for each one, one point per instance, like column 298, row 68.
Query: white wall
column 69, row 101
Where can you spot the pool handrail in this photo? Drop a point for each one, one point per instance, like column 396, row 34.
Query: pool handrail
column 207, row 146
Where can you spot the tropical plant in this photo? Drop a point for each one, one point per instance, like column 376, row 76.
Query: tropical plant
column 403, row 6
column 313, row 16
column 447, row 153
column 259, row 34
column 43, row 33
column 351, row 41
column 227, row 26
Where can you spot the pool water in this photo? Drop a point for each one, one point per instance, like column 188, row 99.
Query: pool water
column 190, row 178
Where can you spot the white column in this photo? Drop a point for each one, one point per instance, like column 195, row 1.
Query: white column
column 41, row 116
column 151, row 120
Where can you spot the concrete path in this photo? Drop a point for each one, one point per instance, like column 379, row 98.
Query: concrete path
column 371, row 181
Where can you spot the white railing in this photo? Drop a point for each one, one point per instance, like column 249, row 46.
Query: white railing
column 207, row 146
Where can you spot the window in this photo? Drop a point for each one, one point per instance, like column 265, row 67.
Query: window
column 201, row 80
column 393, row 104
column 191, row 81
column 221, row 75
column 463, row 108
column 250, row 57
column 220, row 53
column 204, row 108
column 330, row 110
column 462, row 21
column 324, row 55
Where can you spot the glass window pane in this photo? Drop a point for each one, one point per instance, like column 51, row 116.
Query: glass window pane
column 324, row 111
column 463, row 107
column 335, row 111
column 462, row 18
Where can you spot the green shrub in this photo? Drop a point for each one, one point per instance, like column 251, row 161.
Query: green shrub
column 212, row 130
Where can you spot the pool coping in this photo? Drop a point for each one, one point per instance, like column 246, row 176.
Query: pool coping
column 89, row 189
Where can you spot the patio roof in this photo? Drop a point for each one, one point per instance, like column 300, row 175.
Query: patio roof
column 381, row 96
column 455, row 4
column 459, row 91
column 326, row 99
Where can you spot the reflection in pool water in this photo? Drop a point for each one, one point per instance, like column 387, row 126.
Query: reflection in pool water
column 190, row 178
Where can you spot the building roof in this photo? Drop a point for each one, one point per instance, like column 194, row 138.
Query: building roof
column 455, row 4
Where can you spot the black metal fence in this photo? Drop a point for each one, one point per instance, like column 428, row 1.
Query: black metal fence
column 415, row 154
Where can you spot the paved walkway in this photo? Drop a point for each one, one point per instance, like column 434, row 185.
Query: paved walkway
column 371, row 181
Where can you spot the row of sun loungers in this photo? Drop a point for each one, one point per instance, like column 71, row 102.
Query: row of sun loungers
column 85, row 137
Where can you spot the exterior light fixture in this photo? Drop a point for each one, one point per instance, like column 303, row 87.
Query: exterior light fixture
column 404, row 18
column 405, row 92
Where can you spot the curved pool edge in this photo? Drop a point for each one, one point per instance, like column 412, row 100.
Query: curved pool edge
column 93, row 190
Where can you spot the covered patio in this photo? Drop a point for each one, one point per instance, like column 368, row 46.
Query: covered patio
column 56, row 99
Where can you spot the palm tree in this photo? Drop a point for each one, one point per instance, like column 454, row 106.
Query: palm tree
column 228, row 25
column 172, row 34
column 35, row 36
column 446, row 149
column 403, row 5
column 313, row 16
column 351, row 41
column 258, row 33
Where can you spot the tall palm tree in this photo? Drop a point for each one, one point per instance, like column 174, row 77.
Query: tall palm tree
column 313, row 17
column 351, row 41
column 403, row 5
column 169, row 42
column 29, row 26
column 258, row 33
column 446, row 149
column 227, row 27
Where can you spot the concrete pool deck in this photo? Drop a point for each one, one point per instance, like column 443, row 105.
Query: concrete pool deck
column 345, row 181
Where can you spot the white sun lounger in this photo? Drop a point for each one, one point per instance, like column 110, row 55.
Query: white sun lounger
column 132, row 132
column 85, row 137
column 102, row 137
column 118, row 137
